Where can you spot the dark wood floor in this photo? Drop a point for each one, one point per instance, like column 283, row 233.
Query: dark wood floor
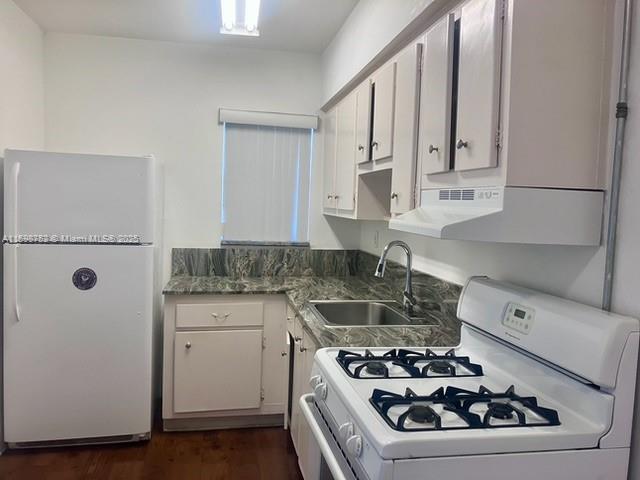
column 264, row 453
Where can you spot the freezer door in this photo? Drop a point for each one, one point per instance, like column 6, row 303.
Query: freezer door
column 79, row 195
column 77, row 341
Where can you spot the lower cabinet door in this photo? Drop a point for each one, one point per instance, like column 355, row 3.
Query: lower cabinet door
column 210, row 375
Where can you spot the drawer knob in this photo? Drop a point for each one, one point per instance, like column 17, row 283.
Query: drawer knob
column 432, row 149
column 187, row 345
column 461, row 144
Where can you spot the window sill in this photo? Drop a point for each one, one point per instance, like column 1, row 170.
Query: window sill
column 251, row 243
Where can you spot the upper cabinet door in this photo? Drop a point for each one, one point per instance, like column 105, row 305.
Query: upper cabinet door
column 405, row 134
column 329, row 167
column 479, row 84
column 346, row 154
column 383, row 91
column 363, row 122
column 435, row 112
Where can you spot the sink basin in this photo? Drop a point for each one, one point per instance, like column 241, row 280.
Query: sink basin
column 362, row 313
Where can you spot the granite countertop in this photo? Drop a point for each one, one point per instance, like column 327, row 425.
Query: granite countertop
column 435, row 303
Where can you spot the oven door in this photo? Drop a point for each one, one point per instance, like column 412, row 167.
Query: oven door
column 334, row 466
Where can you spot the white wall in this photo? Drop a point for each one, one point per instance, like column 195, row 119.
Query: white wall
column 371, row 25
column 126, row 96
column 21, row 80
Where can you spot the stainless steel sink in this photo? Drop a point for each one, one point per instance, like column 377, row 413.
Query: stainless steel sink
column 363, row 313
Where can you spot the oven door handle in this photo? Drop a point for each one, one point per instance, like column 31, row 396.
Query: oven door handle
column 328, row 453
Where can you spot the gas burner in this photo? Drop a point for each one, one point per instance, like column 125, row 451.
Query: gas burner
column 455, row 409
column 404, row 363
column 440, row 367
column 500, row 410
column 375, row 368
column 422, row 414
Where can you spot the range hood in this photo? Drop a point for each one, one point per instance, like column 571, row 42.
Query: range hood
column 545, row 216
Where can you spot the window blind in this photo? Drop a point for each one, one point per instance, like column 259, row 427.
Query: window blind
column 265, row 194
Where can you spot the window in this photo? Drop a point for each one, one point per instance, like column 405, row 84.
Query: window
column 265, row 197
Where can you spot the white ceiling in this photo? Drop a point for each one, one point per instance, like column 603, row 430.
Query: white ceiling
column 299, row 25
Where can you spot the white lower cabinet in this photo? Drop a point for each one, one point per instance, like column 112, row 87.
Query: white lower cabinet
column 224, row 361
column 199, row 386
column 304, row 349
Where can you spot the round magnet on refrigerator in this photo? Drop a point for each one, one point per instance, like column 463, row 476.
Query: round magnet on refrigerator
column 84, row 278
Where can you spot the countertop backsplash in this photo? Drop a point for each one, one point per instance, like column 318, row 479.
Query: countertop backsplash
column 433, row 294
column 242, row 262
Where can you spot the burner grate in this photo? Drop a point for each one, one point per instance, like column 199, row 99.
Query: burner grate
column 409, row 363
column 501, row 410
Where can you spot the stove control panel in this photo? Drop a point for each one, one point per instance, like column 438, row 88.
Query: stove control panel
column 519, row 318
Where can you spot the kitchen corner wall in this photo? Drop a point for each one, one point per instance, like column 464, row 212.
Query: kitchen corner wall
column 21, row 80
column 129, row 96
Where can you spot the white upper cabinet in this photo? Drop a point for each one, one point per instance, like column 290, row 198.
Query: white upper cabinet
column 383, row 91
column 478, row 85
column 405, row 131
column 329, row 166
column 345, row 169
column 363, row 122
column 435, row 111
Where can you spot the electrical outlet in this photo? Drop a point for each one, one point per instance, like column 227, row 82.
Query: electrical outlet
column 376, row 239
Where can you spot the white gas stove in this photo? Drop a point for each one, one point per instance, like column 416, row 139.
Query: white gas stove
column 538, row 387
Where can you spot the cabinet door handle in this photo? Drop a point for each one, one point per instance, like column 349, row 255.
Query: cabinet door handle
column 461, row 144
column 336, row 197
column 296, row 339
column 374, row 145
column 226, row 315
column 283, row 354
column 187, row 345
column 432, row 149
column 394, row 195
column 214, row 315
column 361, row 148
column 329, row 197
column 303, row 349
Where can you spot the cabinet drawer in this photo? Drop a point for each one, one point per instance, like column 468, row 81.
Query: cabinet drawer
column 219, row 315
column 204, row 379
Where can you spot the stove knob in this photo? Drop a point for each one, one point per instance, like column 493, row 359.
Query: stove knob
column 346, row 430
column 320, row 391
column 354, row 445
column 315, row 380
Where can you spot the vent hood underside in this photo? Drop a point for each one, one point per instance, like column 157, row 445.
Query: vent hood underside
column 507, row 215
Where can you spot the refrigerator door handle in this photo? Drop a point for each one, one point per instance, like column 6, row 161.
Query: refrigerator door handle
column 16, row 173
column 16, row 298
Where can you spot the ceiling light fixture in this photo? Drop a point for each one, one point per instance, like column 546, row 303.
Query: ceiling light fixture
column 251, row 13
column 228, row 15
column 230, row 23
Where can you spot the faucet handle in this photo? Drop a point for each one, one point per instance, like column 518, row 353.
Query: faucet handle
column 410, row 298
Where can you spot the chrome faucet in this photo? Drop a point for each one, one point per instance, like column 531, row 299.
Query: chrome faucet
column 407, row 296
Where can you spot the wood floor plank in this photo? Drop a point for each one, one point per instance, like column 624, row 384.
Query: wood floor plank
column 240, row 454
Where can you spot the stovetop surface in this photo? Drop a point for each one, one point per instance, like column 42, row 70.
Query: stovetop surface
column 494, row 401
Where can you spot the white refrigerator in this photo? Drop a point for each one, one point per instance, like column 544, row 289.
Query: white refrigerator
column 80, row 258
